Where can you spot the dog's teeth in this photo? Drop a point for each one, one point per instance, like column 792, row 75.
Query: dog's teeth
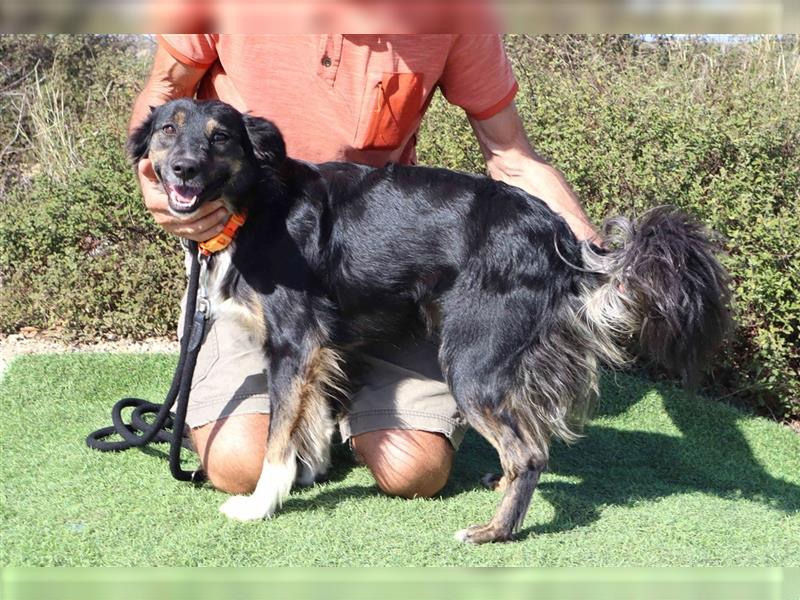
column 177, row 198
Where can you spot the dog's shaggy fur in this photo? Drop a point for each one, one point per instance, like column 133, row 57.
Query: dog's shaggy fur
column 338, row 254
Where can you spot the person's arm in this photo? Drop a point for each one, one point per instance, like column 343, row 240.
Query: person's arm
column 511, row 159
column 168, row 80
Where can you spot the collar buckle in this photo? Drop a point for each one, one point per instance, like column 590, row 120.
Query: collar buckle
column 203, row 303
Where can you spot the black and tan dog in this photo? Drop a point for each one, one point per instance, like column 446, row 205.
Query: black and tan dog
column 336, row 254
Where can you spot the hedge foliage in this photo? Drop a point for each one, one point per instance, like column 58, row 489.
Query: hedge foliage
column 709, row 126
column 78, row 251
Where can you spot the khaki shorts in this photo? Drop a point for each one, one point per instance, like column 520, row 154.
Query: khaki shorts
column 401, row 387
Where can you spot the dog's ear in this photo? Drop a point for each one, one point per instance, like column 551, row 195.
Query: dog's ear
column 266, row 140
column 139, row 140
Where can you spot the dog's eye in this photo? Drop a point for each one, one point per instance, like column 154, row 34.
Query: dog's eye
column 219, row 137
column 169, row 129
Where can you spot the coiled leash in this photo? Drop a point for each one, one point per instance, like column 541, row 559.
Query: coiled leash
column 165, row 428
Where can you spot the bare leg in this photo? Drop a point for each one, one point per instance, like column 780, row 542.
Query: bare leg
column 406, row 462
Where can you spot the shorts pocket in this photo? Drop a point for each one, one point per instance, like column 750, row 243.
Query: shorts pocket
column 396, row 107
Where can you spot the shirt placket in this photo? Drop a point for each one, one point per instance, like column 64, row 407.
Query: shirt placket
column 330, row 56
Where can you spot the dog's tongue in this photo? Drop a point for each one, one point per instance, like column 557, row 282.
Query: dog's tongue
column 185, row 195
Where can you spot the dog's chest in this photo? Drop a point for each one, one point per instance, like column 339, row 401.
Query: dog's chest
column 228, row 302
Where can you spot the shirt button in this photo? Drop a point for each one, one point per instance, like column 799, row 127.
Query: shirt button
column 326, row 61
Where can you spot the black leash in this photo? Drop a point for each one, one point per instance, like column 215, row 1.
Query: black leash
column 165, row 428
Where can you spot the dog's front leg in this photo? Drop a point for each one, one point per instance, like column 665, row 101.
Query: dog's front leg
column 280, row 461
column 297, row 376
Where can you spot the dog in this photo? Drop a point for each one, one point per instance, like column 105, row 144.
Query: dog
column 336, row 255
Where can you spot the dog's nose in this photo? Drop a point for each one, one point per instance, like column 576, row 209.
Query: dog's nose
column 185, row 168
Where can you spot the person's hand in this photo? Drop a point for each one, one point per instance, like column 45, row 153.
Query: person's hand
column 202, row 225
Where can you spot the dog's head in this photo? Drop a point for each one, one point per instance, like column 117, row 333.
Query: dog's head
column 206, row 150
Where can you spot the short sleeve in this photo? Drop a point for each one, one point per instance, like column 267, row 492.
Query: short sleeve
column 478, row 76
column 193, row 50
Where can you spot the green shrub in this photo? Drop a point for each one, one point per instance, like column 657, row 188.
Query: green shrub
column 78, row 250
column 53, row 90
column 85, row 255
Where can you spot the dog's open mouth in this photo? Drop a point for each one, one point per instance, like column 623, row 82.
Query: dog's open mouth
column 183, row 198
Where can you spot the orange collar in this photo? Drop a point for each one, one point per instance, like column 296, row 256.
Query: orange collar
column 224, row 239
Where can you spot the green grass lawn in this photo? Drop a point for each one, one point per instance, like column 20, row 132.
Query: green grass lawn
column 659, row 479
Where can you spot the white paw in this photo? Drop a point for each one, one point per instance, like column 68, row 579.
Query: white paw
column 245, row 508
column 461, row 536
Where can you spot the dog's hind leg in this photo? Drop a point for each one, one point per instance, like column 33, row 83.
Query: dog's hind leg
column 485, row 384
column 517, row 379
column 522, row 465
column 518, row 405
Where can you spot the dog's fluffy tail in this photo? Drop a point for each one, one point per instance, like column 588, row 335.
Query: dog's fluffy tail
column 659, row 292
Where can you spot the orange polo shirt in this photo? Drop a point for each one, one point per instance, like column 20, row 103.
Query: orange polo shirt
column 349, row 97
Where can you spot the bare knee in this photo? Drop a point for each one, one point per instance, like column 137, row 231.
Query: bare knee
column 406, row 463
column 231, row 450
